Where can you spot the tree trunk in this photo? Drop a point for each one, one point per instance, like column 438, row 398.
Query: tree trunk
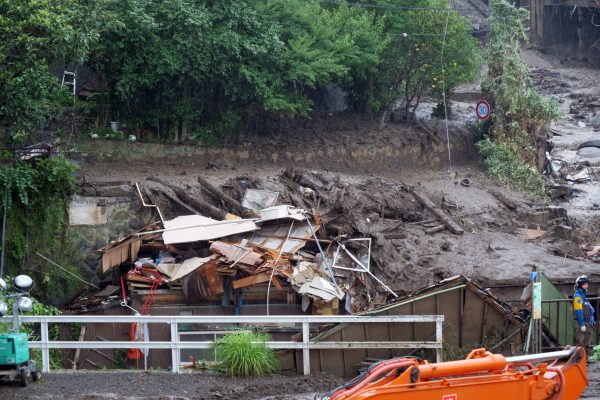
column 383, row 117
column 193, row 202
column 183, row 131
column 370, row 95
column 227, row 201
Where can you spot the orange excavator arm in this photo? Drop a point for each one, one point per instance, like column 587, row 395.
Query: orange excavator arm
column 482, row 375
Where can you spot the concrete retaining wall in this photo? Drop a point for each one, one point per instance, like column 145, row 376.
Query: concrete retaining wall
column 345, row 156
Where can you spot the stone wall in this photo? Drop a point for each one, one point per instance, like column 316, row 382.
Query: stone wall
column 345, row 154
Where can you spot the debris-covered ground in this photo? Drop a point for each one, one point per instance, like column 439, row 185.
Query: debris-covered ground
column 503, row 231
column 125, row 385
column 424, row 225
column 112, row 385
column 412, row 247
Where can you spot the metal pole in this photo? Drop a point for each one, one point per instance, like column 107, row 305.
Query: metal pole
column 312, row 231
column 367, row 271
column 305, row 349
column 174, row 346
column 528, row 335
column 149, row 205
column 15, row 319
column 3, row 233
column 439, row 352
column 553, row 355
column 45, row 348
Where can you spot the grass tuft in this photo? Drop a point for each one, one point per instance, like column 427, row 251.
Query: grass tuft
column 245, row 353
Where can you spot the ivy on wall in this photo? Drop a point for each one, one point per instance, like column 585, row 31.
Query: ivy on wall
column 36, row 193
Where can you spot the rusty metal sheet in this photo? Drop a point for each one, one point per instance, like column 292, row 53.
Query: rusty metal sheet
column 203, row 284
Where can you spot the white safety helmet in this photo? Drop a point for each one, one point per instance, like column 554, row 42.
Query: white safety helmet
column 581, row 280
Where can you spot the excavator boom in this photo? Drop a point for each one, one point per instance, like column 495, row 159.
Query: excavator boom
column 482, row 375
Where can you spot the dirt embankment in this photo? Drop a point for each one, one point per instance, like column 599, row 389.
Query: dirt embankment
column 342, row 142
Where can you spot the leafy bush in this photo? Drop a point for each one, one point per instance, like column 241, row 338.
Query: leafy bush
column 36, row 195
column 34, row 35
column 32, row 330
column 245, row 353
column 503, row 162
column 520, row 114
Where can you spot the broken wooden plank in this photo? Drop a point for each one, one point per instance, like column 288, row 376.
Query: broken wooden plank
column 435, row 210
column 251, row 280
column 78, row 350
column 175, row 199
column 277, row 283
column 502, row 198
column 530, row 234
column 435, row 229
column 195, row 203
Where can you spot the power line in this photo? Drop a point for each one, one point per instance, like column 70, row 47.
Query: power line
column 383, row 6
column 409, row 7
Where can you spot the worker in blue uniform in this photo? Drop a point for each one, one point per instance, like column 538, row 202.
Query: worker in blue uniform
column 583, row 313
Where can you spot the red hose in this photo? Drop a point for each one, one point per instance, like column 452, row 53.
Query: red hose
column 123, row 288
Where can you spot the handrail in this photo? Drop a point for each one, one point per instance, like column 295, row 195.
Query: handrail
column 176, row 345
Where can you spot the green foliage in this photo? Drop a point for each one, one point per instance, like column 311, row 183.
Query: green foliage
column 429, row 60
column 520, row 116
column 36, row 195
column 502, row 161
column 244, row 353
column 519, row 112
column 33, row 35
column 340, row 45
column 33, row 329
column 182, row 68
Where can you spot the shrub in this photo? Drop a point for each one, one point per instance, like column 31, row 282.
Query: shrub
column 502, row 161
column 245, row 353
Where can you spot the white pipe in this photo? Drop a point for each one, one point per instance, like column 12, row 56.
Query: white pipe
column 553, row 355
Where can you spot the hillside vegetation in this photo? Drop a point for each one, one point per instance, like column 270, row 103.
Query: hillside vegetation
column 196, row 69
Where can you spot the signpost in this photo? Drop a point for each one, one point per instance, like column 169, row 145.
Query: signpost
column 483, row 110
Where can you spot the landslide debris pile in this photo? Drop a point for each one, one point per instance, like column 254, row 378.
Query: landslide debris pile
column 304, row 235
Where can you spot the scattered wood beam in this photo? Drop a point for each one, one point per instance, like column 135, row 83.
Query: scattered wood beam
column 227, row 201
column 435, row 210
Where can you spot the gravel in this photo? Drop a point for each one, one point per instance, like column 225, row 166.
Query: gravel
column 126, row 385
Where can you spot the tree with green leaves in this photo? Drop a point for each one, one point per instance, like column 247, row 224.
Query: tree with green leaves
column 430, row 52
column 515, row 146
column 34, row 36
column 170, row 64
column 337, row 45
column 520, row 113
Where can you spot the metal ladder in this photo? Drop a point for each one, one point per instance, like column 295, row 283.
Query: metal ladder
column 70, row 79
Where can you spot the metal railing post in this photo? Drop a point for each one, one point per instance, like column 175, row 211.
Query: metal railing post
column 439, row 352
column 45, row 349
column 305, row 349
column 174, row 346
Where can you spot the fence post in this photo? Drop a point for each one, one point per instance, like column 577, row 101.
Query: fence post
column 45, row 351
column 305, row 349
column 174, row 346
column 439, row 352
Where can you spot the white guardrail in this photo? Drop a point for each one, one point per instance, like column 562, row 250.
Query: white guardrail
column 175, row 345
